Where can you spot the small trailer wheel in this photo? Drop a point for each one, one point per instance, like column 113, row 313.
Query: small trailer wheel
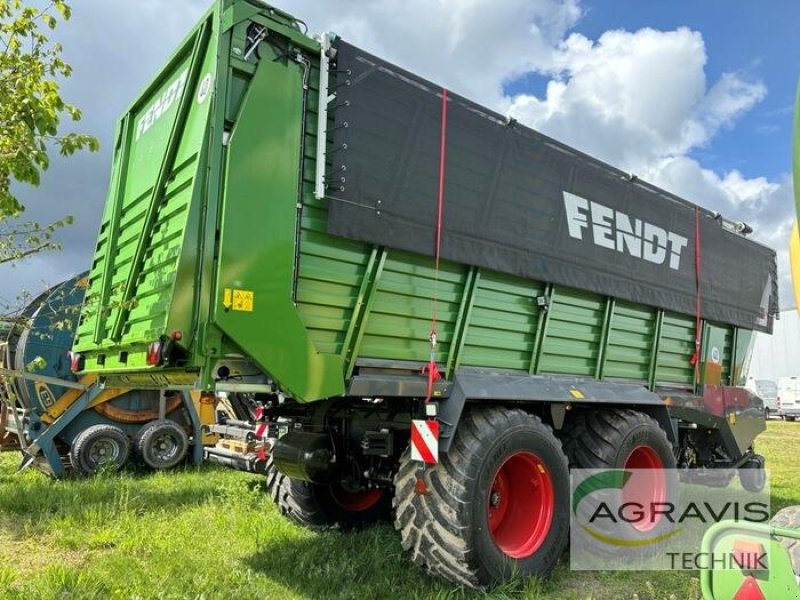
column 98, row 447
column 496, row 504
column 752, row 474
column 162, row 444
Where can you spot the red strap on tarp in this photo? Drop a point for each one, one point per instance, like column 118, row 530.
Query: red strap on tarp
column 694, row 360
column 431, row 369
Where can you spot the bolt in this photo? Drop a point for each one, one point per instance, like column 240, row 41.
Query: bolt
column 494, row 499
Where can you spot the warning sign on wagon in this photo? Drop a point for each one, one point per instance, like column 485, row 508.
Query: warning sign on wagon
column 235, row 299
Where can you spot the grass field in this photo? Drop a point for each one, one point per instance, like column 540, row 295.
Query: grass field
column 211, row 533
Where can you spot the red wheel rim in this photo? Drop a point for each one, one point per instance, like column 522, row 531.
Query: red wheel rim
column 520, row 505
column 647, row 487
column 355, row 501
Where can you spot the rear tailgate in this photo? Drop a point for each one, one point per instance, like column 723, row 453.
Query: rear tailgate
column 155, row 185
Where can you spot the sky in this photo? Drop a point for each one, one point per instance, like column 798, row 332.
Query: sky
column 696, row 97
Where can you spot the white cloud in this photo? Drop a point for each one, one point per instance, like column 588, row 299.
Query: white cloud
column 471, row 46
column 633, row 98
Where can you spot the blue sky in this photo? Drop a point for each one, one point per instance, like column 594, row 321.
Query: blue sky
column 756, row 40
column 706, row 113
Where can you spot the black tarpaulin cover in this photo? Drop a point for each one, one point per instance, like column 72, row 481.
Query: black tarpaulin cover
column 519, row 202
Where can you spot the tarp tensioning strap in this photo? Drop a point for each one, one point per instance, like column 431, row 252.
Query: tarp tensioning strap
column 431, row 370
column 694, row 360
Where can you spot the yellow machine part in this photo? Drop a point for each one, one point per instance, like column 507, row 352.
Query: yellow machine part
column 206, row 406
column 794, row 261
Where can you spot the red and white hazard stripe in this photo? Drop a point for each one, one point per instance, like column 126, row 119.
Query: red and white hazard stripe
column 261, row 429
column 425, row 441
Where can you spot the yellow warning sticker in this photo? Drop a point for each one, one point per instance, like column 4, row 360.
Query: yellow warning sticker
column 233, row 299
column 242, row 300
column 576, row 394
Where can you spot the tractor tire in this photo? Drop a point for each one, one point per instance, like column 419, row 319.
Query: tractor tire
column 789, row 518
column 162, row 444
column 99, row 447
column 496, row 504
column 318, row 506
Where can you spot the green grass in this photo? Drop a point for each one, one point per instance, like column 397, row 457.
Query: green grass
column 211, row 533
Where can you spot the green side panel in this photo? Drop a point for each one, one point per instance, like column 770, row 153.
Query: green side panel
column 399, row 324
column 675, row 350
column 796, row 160
column 503, row 325
column 153, row 145
column 574, row 331
column 712, row 360
column 630, row 342
column 258, row 241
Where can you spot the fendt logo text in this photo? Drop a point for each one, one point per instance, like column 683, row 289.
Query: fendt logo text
column 162, row 104
column 615, row 230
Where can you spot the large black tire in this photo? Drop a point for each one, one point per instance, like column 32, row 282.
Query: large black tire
column 789, row 518
column 321, row 506
column 99, row 447
column 162, row 444
column 448, row 530
column 605, row 439
column 625, row 439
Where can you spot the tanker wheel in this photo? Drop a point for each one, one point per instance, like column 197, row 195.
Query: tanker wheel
column 320, row 506
column 99, row 447
column 789, row 518
column 162, row 444
column 496, row 504
column 625, row 439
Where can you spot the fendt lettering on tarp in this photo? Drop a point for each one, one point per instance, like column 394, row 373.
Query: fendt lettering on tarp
column 615, row 230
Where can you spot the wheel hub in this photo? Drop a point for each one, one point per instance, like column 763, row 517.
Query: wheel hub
column 649, row 487
column 520, row 505
column 104, row 450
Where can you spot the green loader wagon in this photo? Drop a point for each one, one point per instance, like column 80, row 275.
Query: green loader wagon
column 432, row 309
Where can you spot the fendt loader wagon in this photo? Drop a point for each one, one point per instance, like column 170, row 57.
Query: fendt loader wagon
column 436, row 309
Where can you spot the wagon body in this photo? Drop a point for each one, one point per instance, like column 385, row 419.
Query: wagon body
column 213, row 233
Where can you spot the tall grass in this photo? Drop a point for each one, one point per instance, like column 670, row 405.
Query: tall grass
column 211, row 533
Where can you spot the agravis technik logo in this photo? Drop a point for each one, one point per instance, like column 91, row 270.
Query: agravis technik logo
column 653, row 518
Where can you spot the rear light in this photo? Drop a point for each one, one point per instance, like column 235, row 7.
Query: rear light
column 749, row 590
column 76, row 362
column 154, row 354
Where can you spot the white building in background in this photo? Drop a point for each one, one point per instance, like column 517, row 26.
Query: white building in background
column 778, row 355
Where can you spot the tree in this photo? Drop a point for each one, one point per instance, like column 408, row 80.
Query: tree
column 31, row 114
